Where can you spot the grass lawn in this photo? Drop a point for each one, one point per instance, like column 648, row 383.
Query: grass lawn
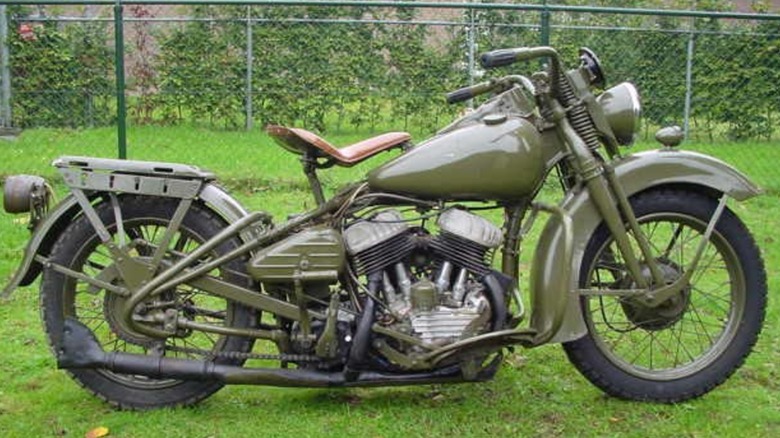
column 537, row 392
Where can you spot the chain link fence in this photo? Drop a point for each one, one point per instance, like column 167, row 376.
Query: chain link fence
column 366, row 66
column 60, row 71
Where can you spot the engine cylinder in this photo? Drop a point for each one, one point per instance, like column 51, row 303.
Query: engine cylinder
column 379, row 242
column 463, row 253
column 466, row 240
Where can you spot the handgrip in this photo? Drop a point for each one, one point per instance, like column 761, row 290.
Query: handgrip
column 467, row 93
column 498, row 58
column 502, row 57
column 460, row 95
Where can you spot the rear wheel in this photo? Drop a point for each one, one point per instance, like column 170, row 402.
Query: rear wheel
column 695, row 340
column 145, row 221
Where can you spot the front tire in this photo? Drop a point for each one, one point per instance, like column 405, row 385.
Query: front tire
column 692, row 343
column 144, row 219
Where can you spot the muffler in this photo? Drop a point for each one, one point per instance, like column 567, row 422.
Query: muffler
column 80, row 349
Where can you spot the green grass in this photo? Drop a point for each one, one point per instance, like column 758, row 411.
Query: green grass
column 537, row 392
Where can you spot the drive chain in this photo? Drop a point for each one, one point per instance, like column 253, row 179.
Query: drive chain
column 244, row 356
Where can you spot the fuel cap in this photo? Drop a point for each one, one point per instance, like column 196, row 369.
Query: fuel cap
column 494, row 119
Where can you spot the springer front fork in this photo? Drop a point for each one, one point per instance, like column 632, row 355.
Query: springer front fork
column 612, row 203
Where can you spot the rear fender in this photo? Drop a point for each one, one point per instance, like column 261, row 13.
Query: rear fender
column 48, row 231
column 635, row 173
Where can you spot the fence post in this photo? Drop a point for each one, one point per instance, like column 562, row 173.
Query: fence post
column 119, row 62
column 471, row 41
column 5, row 71
column 249, row 69
column 470, row 36
column 545, row 25
column 688, row 86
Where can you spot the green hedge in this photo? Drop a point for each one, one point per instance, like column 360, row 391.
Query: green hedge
column 339, row 67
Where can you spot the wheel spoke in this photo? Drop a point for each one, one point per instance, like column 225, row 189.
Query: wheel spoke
column 705, row 265
column 649, row 237
column 88, row 310
column 154, row 235
column 189, row 344
column 701, row 323
column 680, row 344
column 634, row 359
column 210, row 337
column 95, row 265
column 111, row 344
column 651, row 229
column 181, row 243
column 672, row 242
column 715, row 300
column 615, row 343
column 656, row 339
column 615, row 309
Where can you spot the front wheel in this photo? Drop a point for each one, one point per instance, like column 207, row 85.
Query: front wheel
column 695, row 340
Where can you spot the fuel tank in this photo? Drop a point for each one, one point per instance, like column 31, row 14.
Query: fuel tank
column 499, row 157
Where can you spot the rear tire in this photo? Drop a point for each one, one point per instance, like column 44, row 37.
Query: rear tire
column 79, row 248
column 687, row 346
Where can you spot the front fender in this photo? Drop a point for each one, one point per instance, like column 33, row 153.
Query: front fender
column 49, row 230
column 553, row 292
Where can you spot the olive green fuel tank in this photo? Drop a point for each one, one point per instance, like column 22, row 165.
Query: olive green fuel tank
column 497, row 158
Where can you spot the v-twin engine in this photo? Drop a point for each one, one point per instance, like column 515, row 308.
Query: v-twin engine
column 430, row 283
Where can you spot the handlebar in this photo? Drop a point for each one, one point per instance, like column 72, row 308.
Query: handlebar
column 503, row 57
column 500, row 58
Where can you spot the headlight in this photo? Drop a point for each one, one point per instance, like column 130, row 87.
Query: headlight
column 622, row 109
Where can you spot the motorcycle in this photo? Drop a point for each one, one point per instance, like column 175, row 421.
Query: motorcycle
column 157, row 284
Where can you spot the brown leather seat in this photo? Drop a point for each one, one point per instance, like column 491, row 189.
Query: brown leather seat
column 299, row 140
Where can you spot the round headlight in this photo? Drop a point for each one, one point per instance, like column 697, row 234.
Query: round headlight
column 623, row 110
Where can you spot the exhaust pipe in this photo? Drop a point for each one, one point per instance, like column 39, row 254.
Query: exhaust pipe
column 80, row 349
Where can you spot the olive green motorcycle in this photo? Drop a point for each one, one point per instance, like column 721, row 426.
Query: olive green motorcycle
column 159, row 288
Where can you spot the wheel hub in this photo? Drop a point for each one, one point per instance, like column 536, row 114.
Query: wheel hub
column 668, row 312
column 114, row 306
